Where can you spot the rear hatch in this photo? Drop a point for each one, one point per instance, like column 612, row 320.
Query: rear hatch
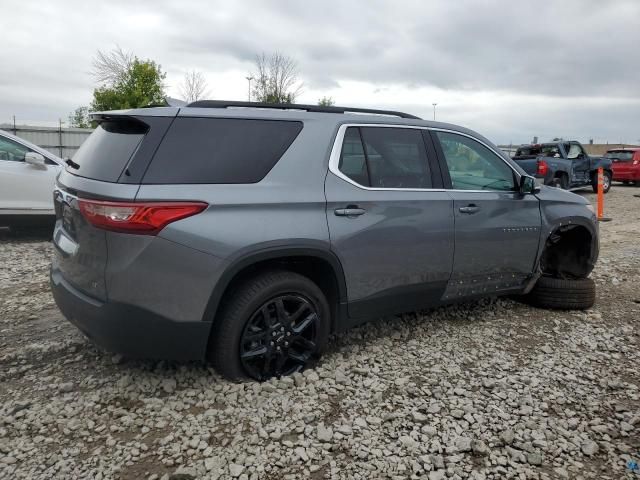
column 621, row 160
column 102, row 169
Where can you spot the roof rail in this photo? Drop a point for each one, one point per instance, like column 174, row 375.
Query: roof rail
column 296, row 106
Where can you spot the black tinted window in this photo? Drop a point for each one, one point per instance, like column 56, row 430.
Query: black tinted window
column 220, row 150
column 352, row 160
column 105, row 154
column 396, row 157
column 384, row 157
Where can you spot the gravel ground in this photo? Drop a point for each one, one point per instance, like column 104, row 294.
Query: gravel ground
column 492, row 389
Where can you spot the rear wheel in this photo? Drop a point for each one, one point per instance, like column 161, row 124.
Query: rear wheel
column 606, row 182
column 561, row 181
column 562, row 294
column 274, row 324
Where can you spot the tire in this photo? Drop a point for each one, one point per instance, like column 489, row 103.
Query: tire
column 242, row 318
column 561, row 181
column 607, row 182
column 561, row 294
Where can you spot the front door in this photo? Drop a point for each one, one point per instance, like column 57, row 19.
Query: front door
column 24, row 188
column 497, row 230
column 392, row 231
column 580, row 163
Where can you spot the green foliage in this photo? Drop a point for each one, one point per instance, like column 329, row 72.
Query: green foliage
column 326, row 102
column 140, row 86
column 79, row 118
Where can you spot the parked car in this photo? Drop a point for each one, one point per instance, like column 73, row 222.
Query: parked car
column 564, row 165
column 27, row 178
column 626, row 165
column 247, row 235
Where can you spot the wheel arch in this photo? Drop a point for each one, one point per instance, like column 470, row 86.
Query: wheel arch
column 319, row 265
column 569, row 249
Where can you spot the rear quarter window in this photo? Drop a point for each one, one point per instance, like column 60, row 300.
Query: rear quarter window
column 220, row 150
column 107, row 151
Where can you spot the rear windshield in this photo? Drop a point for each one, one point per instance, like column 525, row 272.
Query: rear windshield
column 547, row 150
column 104, row 155
column 527, row 151
column 220, row 150
column 621, row 155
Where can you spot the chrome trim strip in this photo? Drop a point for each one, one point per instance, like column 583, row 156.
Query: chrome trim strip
column 334, row 158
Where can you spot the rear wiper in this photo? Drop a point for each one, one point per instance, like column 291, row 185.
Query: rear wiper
column 71, row 163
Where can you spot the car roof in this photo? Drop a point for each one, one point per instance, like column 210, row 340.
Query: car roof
column 32, row 146
column 335, row 115
column 259, row 111
column 624, row 149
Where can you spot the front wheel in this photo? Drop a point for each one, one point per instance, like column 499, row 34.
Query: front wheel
column 606, row 182
column 562, row 294
column 274, row 324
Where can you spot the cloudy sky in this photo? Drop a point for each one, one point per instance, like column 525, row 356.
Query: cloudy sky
column 508, row 69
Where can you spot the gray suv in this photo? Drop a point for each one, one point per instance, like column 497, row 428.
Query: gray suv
column 248, row 233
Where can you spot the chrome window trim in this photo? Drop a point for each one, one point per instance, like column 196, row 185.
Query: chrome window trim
column 336, row 150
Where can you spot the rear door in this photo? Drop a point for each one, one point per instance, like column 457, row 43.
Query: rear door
column 390, row 221
column 24, row 188
column 497, row 230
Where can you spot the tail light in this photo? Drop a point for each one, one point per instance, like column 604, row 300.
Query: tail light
column 145, row 218
column 543, row 168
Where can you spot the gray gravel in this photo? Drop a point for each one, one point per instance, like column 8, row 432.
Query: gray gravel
column 492, row 389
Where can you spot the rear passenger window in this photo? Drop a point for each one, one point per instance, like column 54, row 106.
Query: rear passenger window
column 352, row 160
column 385, row 157
column 220, row 150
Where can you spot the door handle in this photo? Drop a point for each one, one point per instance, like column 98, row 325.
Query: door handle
column 350, row 211
column 469, row 209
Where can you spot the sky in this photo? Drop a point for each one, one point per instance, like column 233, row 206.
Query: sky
column 510, row 70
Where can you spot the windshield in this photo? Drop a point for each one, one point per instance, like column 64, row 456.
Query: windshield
column 621, row 155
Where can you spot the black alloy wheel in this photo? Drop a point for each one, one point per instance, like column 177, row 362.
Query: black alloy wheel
column 273, row 323
column 280, row 337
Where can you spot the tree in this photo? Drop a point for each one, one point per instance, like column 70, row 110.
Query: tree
column 139, row 85
column 193, row 87
column 276, row 79
column 79, row 118
column 111, row 68
column 326, row 102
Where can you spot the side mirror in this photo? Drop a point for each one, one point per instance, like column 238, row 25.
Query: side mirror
column 528, row 185
column 35, row 159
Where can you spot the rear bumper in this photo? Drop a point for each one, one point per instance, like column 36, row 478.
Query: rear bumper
column 130, row 330
column 633, row 176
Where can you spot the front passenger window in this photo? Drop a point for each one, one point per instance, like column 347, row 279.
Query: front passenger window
column 575, row 151
column 12, row 151
column 472, row 166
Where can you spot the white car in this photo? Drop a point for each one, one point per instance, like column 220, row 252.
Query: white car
column 27, row 178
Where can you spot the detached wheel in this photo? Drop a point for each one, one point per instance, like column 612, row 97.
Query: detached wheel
column 274, row 324
column 606, row 182
column 560, row 294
